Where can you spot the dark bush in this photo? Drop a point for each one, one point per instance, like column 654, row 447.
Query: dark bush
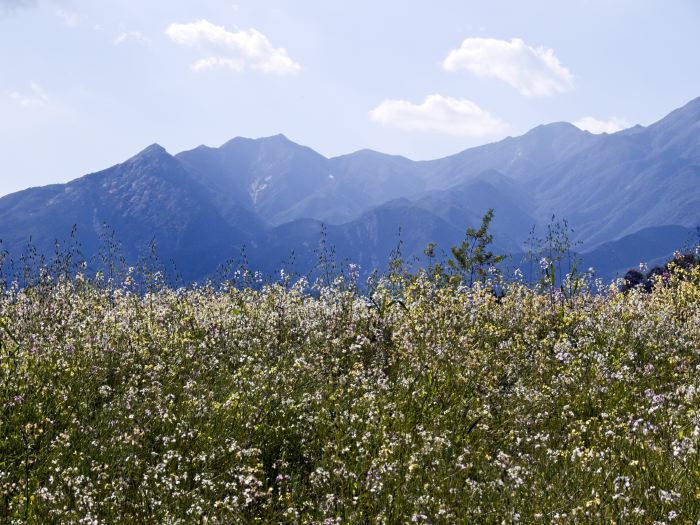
column 681, row 261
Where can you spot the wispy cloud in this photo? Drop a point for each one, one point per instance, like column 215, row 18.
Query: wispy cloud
column 236, row 50
column 439, row 114
column 7, row 6
column 595, row 125
column 69, row 18
column 35, row 97
column 533, row 71
column 130, row 36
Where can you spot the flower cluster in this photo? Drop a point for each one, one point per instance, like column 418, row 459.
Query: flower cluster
column 417, row 402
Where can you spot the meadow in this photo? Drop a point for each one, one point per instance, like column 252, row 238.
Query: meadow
column 412, row 400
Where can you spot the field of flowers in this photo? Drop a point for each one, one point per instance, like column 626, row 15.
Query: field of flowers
column 417, row 401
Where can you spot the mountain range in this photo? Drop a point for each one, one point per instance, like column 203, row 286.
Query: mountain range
column 627, row 195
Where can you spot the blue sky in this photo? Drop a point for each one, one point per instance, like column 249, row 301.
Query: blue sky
column 86, row 84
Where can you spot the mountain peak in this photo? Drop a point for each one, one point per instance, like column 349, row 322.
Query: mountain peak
column 153, row 151
column 154, row 157
column 367, row 153
column 555, row 128
column 278, row 139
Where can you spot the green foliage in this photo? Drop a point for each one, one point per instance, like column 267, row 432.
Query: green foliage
column 291, row 403
column 554, row 261
column 472, row 259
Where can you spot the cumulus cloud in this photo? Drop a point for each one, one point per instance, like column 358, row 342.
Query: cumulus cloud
column 236, row 50
column 440, row 114
column 130, row 36
column 595, row 125
column 218, row 62
column 33, row 98
column 533, row 71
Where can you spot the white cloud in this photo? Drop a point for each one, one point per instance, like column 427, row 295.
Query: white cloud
column 69, row 18
column 218, row 62
column 595, row 125
column 235, row 50
column 533, row 71
column 130, row 36
column 34, row 98
column 440, row 114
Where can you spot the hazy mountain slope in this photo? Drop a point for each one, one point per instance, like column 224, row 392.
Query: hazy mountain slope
column 272, row 195
column 679, row 133
column 356, row 183
column 605, row 185
column 465, row 204
column 283, row 181
column 367, row 241
column 653, row 246
column 629, row 180
column 227, row 192
column 523, row 158
column 148, row 197
column 266, row 176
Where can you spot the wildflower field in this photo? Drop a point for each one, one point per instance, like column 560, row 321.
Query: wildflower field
column 413, row 402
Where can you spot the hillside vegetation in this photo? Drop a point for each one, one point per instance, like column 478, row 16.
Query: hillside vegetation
column 415, row 401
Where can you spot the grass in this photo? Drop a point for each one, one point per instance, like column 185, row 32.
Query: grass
column 416, row 402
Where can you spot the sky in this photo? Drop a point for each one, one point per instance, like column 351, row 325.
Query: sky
column 85, row 84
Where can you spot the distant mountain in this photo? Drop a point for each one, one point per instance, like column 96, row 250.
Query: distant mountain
column 653, row 246
column 283, row 181
column 467, row 202
column 367, row 240
column 272, row 195
column 522, row 158
column 268, row 176
column 629, row 180
column 150, row 197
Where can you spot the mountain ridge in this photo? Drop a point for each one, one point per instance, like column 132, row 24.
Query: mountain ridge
column 254, row 191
